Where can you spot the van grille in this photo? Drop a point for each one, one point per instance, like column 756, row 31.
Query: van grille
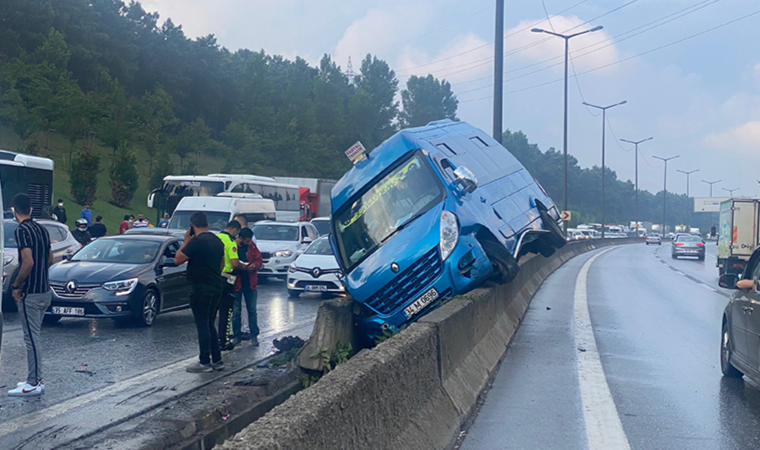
column 408, row 285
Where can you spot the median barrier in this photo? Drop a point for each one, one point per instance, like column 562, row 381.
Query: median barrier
column 417, row 389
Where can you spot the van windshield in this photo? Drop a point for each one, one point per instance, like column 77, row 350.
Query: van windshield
column 399, row 197
column 217, row 220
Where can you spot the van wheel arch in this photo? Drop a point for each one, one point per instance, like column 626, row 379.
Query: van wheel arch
column 504, row 263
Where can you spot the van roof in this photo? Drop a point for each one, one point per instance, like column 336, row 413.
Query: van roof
column 390, row 151
column 225, row 204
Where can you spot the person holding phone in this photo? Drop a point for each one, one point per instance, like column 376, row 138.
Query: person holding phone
column 204, row 254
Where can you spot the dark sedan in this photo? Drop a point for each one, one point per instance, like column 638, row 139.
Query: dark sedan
column 688, row 245
column 120, row 277
column 740, row 335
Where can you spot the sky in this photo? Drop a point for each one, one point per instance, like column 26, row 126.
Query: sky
column 688, row 69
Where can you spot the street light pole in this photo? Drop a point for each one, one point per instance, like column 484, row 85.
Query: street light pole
column 688, row 175
column 604, row 128
column 731, row 191
column 498, row 74
column 665, row 189
column 636, row 144
column 564, row 144
column 711, row 184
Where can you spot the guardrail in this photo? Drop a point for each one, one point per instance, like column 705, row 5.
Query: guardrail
column 417, row 389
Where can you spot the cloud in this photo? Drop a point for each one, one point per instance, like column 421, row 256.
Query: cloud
column 744, row 138
column 465, row 57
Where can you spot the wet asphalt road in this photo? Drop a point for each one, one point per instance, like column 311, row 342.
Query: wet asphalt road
column 656, row 323
column 86, row 356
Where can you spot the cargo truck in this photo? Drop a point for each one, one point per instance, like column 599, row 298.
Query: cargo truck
column 738, row 234
column 314, row 195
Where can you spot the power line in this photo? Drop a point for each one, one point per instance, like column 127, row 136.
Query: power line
column 625, row 59
column 698, row 7
column 680, row 14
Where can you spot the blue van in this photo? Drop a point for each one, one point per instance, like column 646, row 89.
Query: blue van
column 433, row 212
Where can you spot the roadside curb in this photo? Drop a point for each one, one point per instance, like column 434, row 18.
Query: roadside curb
column 417, row 389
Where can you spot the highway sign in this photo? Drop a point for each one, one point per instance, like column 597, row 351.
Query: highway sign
column 566, row 216
column 708, row 204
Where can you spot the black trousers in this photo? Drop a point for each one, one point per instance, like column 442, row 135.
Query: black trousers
column 204, row 301
column 225, row 314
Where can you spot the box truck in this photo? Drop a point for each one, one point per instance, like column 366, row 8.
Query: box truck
column 738, row 234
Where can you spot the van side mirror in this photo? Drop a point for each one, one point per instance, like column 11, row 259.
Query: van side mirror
column 465, row 179
column 728, row 281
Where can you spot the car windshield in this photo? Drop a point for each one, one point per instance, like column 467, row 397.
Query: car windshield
column 217, row 220
column 689, row 239
column 272, row 232
column 319, row 247
column 125, row 251
column 323, row 226
column 9, row 231
column 408, row 191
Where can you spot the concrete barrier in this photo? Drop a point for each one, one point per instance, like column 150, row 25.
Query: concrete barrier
column 415, row 390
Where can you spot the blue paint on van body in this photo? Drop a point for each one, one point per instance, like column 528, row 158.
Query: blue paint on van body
column 391, row 264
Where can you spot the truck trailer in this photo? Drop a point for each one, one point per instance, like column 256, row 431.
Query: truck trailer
column 738, row 234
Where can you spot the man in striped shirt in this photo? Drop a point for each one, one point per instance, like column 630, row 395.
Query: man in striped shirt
column 31, row 290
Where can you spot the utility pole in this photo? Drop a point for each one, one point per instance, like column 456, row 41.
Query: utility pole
column 665, row 190
column 564, row 144
column 711, row 184
column 498, row 71
column 604, row 129
column 688, row 209
column 636, row 144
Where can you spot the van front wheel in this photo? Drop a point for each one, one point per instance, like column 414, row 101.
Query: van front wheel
column 505, row 266
column 556, row 236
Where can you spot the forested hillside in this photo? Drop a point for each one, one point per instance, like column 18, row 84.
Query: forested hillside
column 120, row 99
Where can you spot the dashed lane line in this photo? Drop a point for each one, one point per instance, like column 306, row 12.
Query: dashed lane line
column 604, row 430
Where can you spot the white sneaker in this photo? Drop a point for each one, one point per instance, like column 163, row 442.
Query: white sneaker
column 42, row 385
column 27, row 390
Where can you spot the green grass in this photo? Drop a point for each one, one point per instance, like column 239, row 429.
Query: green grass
column 55, row 147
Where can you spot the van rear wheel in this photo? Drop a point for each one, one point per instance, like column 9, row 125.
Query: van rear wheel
column 556, row 237
column 504, row 264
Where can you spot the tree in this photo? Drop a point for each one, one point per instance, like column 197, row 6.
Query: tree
column 84, row 177
column 154, row 119
column 124, row 179
column 379, row 82
column 192, row 138
column 116, row 112
column 164, row 167
column 426, row 99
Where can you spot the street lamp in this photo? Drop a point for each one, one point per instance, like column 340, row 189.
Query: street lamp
column 731, row 191
column 688, row 175
column 636, row 143
column 564, row 145
column 711, row 184
column 665, row 189
column 604, row 126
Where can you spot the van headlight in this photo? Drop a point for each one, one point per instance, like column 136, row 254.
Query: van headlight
column 122, row 287
column 449, row 233
column 283, row 254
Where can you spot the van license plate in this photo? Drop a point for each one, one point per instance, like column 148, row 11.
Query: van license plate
column 68, row 311
column 315, row 288
column 426, row 299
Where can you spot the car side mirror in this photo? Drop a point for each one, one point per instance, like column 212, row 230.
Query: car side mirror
column 307, row 240
column 65, row 257
column 728, row 281
column 465, row 179
column 167, row 262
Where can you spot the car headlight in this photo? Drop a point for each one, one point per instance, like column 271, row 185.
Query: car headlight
column 283, row 254
column 7, row 260
column 122, row 287
column 449, row 233
column 292, row 268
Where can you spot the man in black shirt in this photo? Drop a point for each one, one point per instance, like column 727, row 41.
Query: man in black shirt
column 60, row 212
column 31, row 290
column 97, row 229
column 204, row 254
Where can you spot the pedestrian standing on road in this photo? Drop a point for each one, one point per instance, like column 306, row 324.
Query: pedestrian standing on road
column 60, row 212
column 231, row 264
column 124, row 225
column 204, row 254
column 141, row 222
column 98, row 229
column 80, row 233
column 164, row 223
column 244, row 224
column 31, row 290
column 245, row 287
column 86, row 214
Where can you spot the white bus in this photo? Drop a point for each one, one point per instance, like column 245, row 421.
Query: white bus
column 175, row 187
column 31, row 175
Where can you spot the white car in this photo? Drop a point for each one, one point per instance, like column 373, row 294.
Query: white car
column 316, row 270
column 281, row 243
column 654, row 238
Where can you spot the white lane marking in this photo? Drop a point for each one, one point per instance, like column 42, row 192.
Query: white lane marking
column 708, row 288
column 37, row 417
column 604, row 430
